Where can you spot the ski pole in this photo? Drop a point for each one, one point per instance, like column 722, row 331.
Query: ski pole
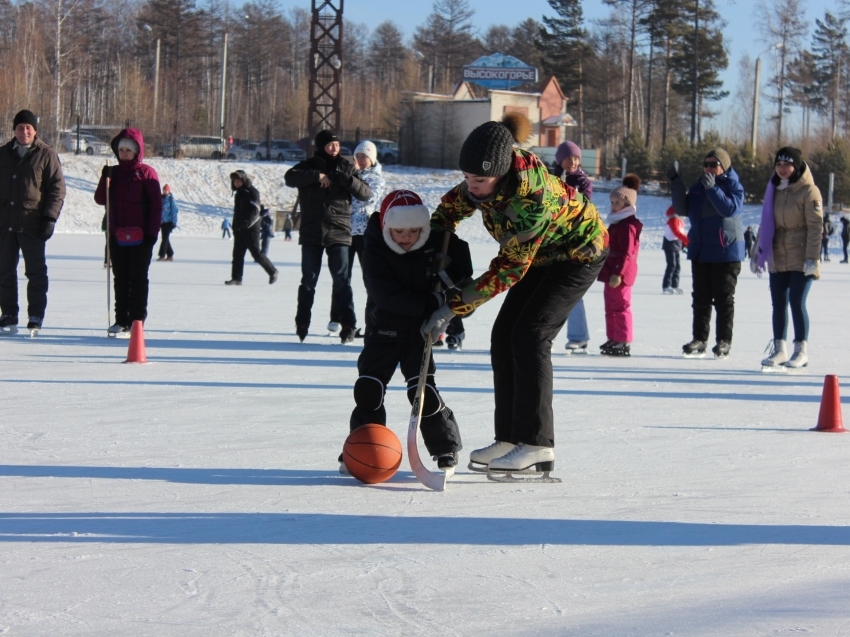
column 108, row 256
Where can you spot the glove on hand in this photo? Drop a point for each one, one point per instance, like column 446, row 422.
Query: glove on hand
column 615, row 280
column 106, row 172
column 671, row 173
column 810, row 267
column 47, row 226
column 707, row 180
column 438, row 323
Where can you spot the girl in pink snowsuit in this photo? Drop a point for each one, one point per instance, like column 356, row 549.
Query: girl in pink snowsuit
column 620, row 269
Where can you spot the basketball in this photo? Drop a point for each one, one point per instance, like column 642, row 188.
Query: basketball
column 372, row 453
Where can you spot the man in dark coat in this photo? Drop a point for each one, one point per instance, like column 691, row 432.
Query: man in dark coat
column 246, row 228
column 713, row 205
column 326, row 183
column 32, row 191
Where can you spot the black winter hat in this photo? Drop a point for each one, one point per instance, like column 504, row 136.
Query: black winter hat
column 487, row 151
column 25, row 117
column 793, row 156
column 325, row 137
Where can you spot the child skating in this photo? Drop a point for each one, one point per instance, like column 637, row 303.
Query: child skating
column 620, row 269
column 400, row 257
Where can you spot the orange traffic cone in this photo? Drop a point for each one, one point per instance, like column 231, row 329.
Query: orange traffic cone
column 136, row 351
column 829, row 418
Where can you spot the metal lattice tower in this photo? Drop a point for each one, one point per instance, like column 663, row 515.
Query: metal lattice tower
column 326, row 61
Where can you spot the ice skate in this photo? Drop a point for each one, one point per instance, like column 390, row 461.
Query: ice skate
column 440, row 341
column 721, row 350
column 447, row 463
column 346, row 335
column 800, row 357
column 273, row 277
column 8, row 325
column 668, row 291
column 34, row 325
column 480, row 458
column 118, row 331
column 575, row 347
column 233, row 282
column 776, row 359
column 455, row 341
column 523, row 458
column 301, row 331
column 678, row 290
column 616, row 349
column 343, row 470
column 334, row 328
column 694, row 349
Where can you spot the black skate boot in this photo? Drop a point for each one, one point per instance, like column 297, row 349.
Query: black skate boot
column 346, row 335
column 694, row 349
column 301, row 331
column 8, row 324
column 721, row 350
column 273, row 277
column 455, row 341
column 617, row 349
column 233, row 282
column 446, row 461
column 34, row 325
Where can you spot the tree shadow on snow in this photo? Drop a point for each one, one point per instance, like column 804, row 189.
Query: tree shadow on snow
column 320, row 528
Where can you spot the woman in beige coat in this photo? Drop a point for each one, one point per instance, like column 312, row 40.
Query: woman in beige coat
column 788, row 247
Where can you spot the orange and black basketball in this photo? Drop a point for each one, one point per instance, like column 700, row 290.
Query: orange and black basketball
column 372, row 453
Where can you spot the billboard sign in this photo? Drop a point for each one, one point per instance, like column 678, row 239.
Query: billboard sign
column 499, row 71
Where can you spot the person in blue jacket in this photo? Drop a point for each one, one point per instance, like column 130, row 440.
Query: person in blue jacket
column 169, row 222
column 715, row 247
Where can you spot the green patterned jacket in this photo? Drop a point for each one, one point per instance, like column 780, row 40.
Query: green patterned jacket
column 535, row 217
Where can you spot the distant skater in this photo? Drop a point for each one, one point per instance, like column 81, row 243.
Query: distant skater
column 246, row 228
column 225, row 228
column 169, row 222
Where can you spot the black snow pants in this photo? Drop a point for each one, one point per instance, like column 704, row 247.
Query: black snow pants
column 534, row 311
column 248, row 239
column 714, row 285
column 383, row 351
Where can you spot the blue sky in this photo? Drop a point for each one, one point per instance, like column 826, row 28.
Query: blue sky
column 740, row 32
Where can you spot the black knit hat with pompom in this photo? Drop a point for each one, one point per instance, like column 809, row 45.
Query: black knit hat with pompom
column 488, row 150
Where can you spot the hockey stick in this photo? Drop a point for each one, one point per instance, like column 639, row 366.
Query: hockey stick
column 108, row 260
column 435, row 481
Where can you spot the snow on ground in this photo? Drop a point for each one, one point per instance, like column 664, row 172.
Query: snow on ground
column 199, row 494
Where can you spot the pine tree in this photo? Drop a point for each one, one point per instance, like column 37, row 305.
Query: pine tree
column 829, row 64
column 565, row 48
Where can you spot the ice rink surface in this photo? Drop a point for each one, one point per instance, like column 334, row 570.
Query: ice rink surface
column 199, row 494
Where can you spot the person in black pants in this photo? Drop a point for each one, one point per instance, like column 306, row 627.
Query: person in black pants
column 246, row 228
column 845, row 236
column 400, row 258
column 326, row 183
column 713, row 205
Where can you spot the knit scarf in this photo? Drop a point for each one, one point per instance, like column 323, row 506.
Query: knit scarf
column 615, row 217
column 764, row 250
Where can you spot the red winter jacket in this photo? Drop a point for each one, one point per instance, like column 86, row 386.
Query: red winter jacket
column 677, row 226
column 624, row 246
column 135, row 198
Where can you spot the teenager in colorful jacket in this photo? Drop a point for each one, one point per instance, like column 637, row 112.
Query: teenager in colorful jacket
column 713, row 206
column 675, row 239
column 552, row 245
column 135, row 202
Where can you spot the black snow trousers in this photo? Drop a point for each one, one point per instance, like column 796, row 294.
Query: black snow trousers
column 130, row 266
column 714, row 285
column 12, row 245
column 248, row 239
column 383, row 351
column 534, row 311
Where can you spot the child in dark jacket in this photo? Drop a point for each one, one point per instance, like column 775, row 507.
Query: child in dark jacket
column 620, row 269
column 400, row 259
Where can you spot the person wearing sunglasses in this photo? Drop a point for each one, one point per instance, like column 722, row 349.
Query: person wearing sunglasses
column 715, row 248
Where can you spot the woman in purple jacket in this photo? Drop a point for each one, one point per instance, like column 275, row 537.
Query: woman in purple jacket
column 135, row 217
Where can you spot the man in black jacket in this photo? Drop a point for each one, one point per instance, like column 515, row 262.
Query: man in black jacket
column 326, row 182
column 246, row 228
column 32, row 191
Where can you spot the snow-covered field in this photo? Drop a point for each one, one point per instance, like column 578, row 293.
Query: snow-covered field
column 199, row 494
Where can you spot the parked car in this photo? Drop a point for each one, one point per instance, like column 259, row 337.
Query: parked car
column 281, row 150
column 387, row 151
column 198, row 146
column 96, row 147
column 68, row 142
column 243, row 152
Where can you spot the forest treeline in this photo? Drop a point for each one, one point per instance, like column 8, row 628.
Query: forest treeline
column 645, row 82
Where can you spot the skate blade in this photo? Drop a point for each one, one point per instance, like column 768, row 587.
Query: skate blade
column 343, row 470
column 699, row 355
column 449, row 472
column 483, row 468
column 774, row 369
column 510, row 476
column 8, row 331
column 33, row 333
